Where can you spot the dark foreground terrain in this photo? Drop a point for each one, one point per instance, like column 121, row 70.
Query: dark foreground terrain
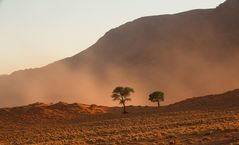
column 187, row 54
column 194, row 121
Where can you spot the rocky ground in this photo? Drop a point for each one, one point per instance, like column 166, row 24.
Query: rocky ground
column 63, row 123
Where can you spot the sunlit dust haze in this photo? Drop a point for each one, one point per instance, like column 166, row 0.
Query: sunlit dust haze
column 187, row 54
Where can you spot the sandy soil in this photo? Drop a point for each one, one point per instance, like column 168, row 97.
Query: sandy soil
column 142, row 125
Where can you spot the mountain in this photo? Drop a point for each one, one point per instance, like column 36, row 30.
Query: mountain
column 187, row 54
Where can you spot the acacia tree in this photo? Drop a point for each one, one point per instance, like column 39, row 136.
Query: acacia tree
column 156, row 96
column 122, row 94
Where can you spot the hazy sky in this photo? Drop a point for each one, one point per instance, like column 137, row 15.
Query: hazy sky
column 34, row 33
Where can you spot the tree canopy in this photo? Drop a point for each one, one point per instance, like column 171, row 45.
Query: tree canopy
column 156, row 96
column 122, row 94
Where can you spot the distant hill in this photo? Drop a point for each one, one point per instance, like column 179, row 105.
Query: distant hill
column 223, row 101
column 187, row 54
column 81, row 112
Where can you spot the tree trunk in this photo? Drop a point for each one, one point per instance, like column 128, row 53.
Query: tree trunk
column 158, row 104
column 124, row 111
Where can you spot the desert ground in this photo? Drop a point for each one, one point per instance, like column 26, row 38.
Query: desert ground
column 63, row 123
